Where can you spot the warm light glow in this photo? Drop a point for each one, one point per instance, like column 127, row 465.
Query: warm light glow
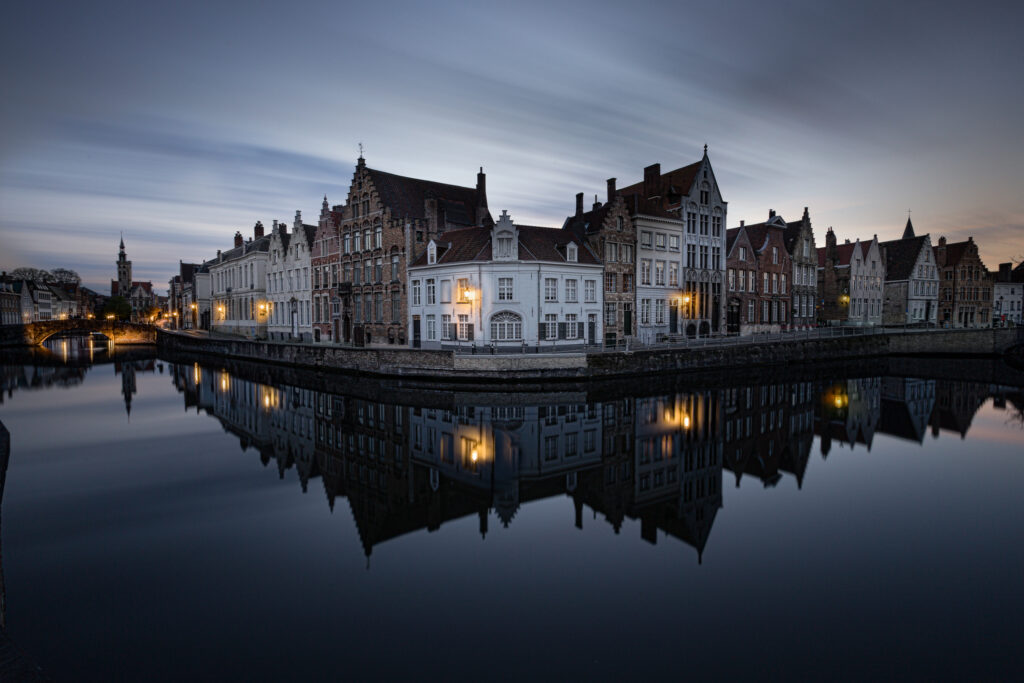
column 193, row 306
column 266, row 400
column 469, row 295
column 686, row 299
column 686, row 421
column 110, row 316
column 474, row 455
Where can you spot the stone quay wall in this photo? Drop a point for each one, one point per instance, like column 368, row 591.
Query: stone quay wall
column 449, row 366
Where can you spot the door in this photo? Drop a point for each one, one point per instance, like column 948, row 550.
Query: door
column 415, row 332
column 627, row 319
column 295, row 319
column 673, row 318
column 592, row 328
column 733, row 322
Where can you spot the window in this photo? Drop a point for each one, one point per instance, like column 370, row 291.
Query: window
column 570, row 291
column 610, row 252
column 357, row 241
column 609, row 313
column 378, row 236
column 659, row 272
column 618, row 223
column 571, row 328
column 396, row 306
column 446, row 326
column 673, row 243
column 783, row 283
column 645, row 271
column 703, row 196
column 691, row 255
column 626, row 253
column 378, row 269
column 750, row 312
column 415, row 292
column 506, row 327
column 627, row 282
column 743, row 253
column 462, row 287
column 764, row 311
column 590, row 291
column 431, row 292
column 659, row 241
column 550, row 289
column 716, row 256
column 764, row 283
column 716, row 226
column 732, row 279
column 703, row 256
column 645, row 239
column 367, row 271
column 645, row 311
column 504, row 289
column 610, row 282
column 775, row 283
column 504, row 247
column 570, row 253
column 691, row 222
column 394, row 267
column 703, row 223
column 431, row 328
column 550, row 326
column 465, row 328
column 378, row 307
column 775, row 254
column 346, row 242
column 659, row 311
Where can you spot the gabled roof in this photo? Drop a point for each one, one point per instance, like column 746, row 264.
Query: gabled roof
column 673, row 183
column 954, row 251
column 535, row 244
column 844, row 252
column 901, row 257
column 589, row 222
column 406, row 197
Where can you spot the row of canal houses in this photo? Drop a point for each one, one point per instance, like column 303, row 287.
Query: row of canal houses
column 424, row 264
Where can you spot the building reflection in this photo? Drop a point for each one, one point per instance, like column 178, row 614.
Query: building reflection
column 657, row 460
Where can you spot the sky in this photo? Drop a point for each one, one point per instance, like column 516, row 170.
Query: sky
column 179, row 123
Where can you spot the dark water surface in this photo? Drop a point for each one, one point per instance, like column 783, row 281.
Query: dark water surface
column 173, row 520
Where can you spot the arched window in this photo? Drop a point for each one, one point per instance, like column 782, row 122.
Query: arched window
column 378, row 235
column 506, row 327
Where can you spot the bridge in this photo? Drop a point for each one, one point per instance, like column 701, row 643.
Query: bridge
column 34, row 334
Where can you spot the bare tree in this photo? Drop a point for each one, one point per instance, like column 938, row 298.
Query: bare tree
column 37, row 274
column 66, row 276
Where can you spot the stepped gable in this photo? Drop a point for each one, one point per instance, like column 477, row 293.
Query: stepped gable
column 901, row 257
column 406, row 197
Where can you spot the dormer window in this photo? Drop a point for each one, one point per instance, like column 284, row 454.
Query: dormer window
column 432, row 253
column 570, row 253
column 505, row 246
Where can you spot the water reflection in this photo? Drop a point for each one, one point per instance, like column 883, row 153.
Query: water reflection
column 657, row 459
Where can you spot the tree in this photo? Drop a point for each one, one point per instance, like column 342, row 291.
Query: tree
column 66, row 276
column 119, row 307
column 36, row 274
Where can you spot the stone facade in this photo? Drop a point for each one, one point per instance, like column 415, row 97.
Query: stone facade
column 965, row 289
column 288, row 281
column 610, row 233
column 239, row 282
column 804, row 283
column 911, row 280
column 690, row 194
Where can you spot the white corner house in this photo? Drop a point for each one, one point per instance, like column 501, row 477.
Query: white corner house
column 288, row 281
column 513, row 287
column 239, row 282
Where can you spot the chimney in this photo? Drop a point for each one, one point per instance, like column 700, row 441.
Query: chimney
column 611, row 189
column 238, row 239
column 297, row 224
column 579, row 203
column 257, row 231
column 742, row 223
column 481, row 197
column 218, row 255
column 1004, row 271
column 771, row 213
column 942, row 241
column 846, row 241
column 597, row 204
column 652, row 178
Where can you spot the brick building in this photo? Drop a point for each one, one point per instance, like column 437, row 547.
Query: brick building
column 758, row 281
column 804, row 283
column 363, row 247
column 965, row 288
column 609, row 232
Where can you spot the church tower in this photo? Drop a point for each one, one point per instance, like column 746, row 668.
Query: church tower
column 124, row 273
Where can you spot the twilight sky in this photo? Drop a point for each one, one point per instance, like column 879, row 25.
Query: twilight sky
column 179, row 123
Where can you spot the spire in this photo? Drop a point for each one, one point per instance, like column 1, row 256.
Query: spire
column 908, row 232
column 705, row 149
column 122, row 241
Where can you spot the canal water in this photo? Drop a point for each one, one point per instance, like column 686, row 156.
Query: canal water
column 174, row 519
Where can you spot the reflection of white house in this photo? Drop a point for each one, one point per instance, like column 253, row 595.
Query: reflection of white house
column 496, row 448
column 288, row 286
column 506, row 286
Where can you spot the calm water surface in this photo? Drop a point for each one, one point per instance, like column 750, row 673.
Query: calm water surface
column 170, row 520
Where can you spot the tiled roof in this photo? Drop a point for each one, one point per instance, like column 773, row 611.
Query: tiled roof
column 954, row 252
column 673, row 183
column 588, row 222
column 646, row 207
column 535, row 244
column 844, row 252
column 406, row 197
column 730, row 238
column 260, row 244
column 901, row 257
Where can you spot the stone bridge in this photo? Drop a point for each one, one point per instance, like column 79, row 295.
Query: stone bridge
column 34, row 334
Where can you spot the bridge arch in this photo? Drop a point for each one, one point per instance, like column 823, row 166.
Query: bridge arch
column 34, row 334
